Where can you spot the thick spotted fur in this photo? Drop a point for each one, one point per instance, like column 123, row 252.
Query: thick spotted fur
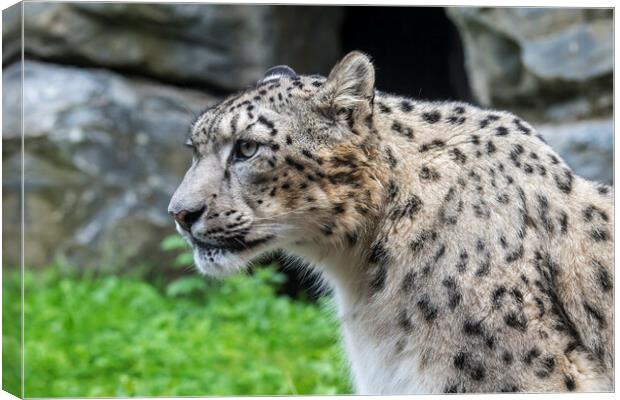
column 464, row 254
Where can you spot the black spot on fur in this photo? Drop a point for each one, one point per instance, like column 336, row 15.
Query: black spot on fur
column 451, row 389
column 378, row 281
column 294, row 163
column 543, row 213
column 509, row 388
column 406, row 106
column 541, row 306
column 501, row 131
column 427, row 173
column 384, row 109
column 515, row 255
column 503, row 198
column 531, row 355
column 563, row 222
column 569, row 382
column 397, row 127
column 522, row 128
column 454, row 295
column 392, row 190
column 599, row 235
column 518, row 322
column 517, row 296
column 554, row 159
column 455, row 119
column 542, row 171
column 434, row 144
column 590, row 211
column 472, row 328
column 461, row 265
column 264, row 121
column 392, row 162
column 404, row 321
column 595, row 314
column 602, row 189
column 497, row 295
column 547, row 365
column 352, row 238
column 378, row 253
column 602, row 274
column 428, row 309
column 487, row 120
column 484, row 267
column 327, row 229
column 549, row 271
column 440, row 253
column 460, row 360
column 507, row 357
column 425, row 237
column 465, row 361
column 409, row 209
column 565, row 183
column 431, row 117
column 408, row 281
column 491, row 148
column 458, row 156
column 481, row 210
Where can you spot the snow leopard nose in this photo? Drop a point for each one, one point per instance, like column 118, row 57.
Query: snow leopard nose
column 187, row 218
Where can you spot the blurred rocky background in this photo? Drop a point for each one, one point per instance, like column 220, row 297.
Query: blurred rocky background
column 110, row 90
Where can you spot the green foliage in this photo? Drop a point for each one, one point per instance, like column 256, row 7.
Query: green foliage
column 175, row 243
column 120, row 336
column 11, row 332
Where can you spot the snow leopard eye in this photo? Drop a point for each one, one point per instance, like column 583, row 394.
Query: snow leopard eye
column 245, row 149
column 189, row 143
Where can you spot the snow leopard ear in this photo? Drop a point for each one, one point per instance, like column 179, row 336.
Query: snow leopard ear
column 350, row 86
column 278, row 71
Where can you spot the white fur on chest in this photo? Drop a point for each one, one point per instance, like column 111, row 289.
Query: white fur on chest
column 379, row 364
column 370, row 342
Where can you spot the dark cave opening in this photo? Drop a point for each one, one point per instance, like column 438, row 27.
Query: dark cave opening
column 417, row 51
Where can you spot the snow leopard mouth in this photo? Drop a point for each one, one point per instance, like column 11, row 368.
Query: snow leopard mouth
column 234, row 245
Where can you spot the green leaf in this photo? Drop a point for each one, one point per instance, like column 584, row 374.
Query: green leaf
column 184, row 259
column 186, row 286
column 173, row 242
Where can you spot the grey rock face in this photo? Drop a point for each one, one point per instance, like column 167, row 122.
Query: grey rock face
column 220, row 46
column 535, row 56
column 552, row 66
column 576, row 54
column 586, row 146
column 102, row 155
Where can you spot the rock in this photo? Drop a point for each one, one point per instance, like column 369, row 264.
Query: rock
column 11, row 33
column 576, row 54
column 533, row 57
column 216, row 46
column 586, row 146
column 102, row 156
column 551, row 66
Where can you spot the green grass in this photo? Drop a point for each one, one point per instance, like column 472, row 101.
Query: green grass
column 121, row 336
column 11, row 333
